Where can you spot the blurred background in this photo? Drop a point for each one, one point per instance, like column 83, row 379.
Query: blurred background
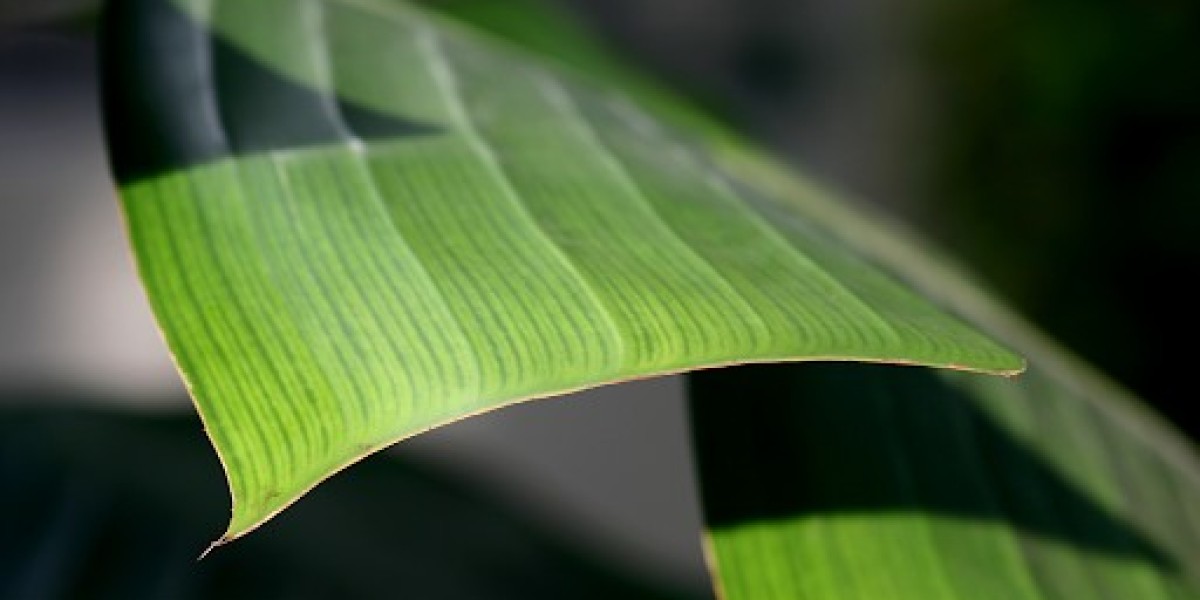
column 1051, row 145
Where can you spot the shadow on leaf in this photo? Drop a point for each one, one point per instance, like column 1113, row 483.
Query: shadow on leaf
column 785, row 441
column 210, row 100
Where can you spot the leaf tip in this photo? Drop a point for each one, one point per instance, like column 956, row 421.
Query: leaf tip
column 1019, row 370
column 225, row 539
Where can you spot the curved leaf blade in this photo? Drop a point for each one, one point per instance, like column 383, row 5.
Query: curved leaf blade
column 356, row 222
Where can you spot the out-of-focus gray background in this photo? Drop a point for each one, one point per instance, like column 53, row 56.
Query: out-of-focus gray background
column 1054, row 144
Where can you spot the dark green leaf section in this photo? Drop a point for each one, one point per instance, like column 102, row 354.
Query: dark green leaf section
column 104, row 506
column 849, row 481
column 356, row 222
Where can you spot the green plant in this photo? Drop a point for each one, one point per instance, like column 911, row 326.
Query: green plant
column 357, row 220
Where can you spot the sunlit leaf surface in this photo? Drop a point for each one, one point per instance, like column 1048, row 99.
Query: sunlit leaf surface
column 356, row 222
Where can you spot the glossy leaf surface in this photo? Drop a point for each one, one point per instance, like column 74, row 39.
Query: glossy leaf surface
column 356, row 222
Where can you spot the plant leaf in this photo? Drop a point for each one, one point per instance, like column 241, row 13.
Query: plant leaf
column 356, row 222
column 101, row 505
column 852, row 481
column 978, row 476
column 855, row 481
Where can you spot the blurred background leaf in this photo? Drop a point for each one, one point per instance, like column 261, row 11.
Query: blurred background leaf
column 77, row 15
column 859, row 482
column 103, row 505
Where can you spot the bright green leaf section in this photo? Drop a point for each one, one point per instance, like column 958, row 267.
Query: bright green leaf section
column 356, row 222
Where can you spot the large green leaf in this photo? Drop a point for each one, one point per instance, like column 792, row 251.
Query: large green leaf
column 99, row 505
column 1053, row 486
column 356, row 222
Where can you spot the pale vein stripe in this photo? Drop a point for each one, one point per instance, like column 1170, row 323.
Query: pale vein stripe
column 315, row 294
column 428, row 45
column 318, row 24
column 634, row 119
column 275, row 462
column 557, row 97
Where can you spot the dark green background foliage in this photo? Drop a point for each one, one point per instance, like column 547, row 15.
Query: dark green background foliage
column 1068, row 172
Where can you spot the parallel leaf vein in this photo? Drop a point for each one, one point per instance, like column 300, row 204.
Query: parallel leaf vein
column 446, row 79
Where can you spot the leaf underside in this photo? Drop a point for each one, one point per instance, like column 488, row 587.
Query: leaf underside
column 356, row 222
